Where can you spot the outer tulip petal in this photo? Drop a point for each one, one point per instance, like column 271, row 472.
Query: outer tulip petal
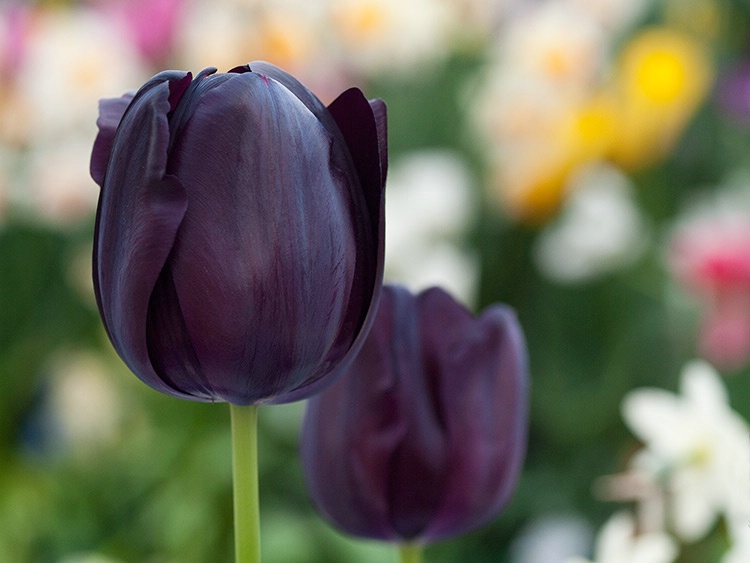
column 140, row 210
column 247, row 309
column 361, row 125
column 301, row 92
column 381, row 123
column 385, row 488
column 111, row 111
column 361, row 415
column 418, row 466
column 487, row 448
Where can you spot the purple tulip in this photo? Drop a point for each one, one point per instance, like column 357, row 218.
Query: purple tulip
column 424, row 436
column 238, row 249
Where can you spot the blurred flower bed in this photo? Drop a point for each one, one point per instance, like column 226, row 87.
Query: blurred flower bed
column 585, row 161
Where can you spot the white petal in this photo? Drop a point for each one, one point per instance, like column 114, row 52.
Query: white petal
column 654, row 548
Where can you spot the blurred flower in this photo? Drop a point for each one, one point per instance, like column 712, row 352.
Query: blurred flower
column 47, row 117
column 733, row 93
column 661, row 78
column 15, row 19
column 532, row 174
column 239, row 242
column 424, row 249
column 150, row 25
column 473, row 22
column 739, row 551
column 551, row 539
column 599, row 230
column 57, row 186
column 548, row 104
column 374, row 36
column 618, row 542
column 556, row 44
column 286, row 33
column 613, row 15
column 538, row 110
column 424, row 436
column 709, row 256
column 636, row 485
column 81, row 409
column 87, row 64
column 696, row 445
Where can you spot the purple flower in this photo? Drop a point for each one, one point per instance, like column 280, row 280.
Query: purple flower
column 424, row 436
column 239, row 237
column 733, row 92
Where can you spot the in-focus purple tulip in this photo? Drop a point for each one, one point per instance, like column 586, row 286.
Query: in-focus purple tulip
column 239, row 236
column 425, row 434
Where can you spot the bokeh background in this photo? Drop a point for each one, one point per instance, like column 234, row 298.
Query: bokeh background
column 585, row 161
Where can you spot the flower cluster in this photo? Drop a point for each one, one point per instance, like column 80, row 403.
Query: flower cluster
column 691, row 472
column 563, row 93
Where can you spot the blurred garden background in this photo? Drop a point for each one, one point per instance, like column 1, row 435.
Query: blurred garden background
column 585, row 161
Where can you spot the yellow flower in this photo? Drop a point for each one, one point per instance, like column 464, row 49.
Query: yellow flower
column 533, row 183
column 661, row 79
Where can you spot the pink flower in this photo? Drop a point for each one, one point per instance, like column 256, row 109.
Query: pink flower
column 151, row 25
column 709, row 256
column 15, row 18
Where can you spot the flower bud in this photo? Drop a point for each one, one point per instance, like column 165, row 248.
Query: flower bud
column 424, row 435
column 239, row 235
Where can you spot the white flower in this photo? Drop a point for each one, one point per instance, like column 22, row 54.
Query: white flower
column 565, row 47
column 84, row 407
column 614, row 15
column 477, row 20
column 73, row 59
column 618, row 542
column 391, row 35
column 739, row 552
column 59, row 189
column 428, row 208
column 551, row 539
column 599, row 230
column 697, row 444
column 226, row 33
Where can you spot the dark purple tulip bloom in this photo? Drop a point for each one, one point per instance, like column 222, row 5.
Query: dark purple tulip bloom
column 424, row 436
column 239, row 237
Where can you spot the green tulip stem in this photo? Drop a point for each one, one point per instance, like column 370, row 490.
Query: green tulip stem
column 245, row 477
column 410, row 553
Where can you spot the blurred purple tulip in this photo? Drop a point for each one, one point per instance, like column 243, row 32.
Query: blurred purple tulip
column 239, row 237
column 424, row 436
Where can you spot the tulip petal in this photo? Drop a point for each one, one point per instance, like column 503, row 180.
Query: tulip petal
column 385, row 488
column 359, row 414
column 487, row 448
column 379, row 111
column 256, row 331
column 418, row 466
column 301, row 92
column 360, row 126
column 140, row 210
column 111, row 111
